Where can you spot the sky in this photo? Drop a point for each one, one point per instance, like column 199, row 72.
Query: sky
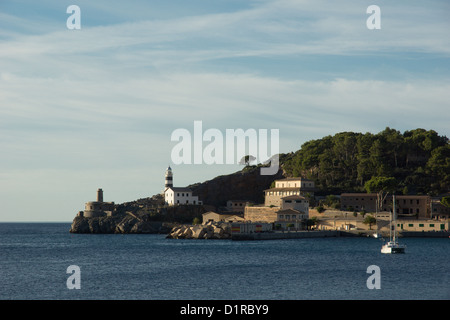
column 89, row 108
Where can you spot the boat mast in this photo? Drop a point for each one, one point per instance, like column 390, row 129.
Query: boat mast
column 393, row 214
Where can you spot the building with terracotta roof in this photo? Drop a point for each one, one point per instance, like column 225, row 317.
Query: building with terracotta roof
column 288, row 187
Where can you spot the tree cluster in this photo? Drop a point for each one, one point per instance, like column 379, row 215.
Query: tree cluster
column 418, row 160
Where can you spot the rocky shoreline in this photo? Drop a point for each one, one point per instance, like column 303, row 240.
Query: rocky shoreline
column 210, row 230
column 118, row 224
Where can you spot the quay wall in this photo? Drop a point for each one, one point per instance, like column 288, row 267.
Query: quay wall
column 329, row 233
column 285, row 235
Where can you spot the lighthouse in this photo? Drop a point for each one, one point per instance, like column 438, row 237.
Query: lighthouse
column 168, row 178
column 178, row 196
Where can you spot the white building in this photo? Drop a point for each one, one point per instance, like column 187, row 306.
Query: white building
column 176, row 195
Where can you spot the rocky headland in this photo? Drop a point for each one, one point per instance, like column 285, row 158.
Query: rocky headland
column 151, row 215
column 142, row 216
column 117, row 224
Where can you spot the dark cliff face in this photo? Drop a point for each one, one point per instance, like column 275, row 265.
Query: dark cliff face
column 117, row 224
column 247, row 184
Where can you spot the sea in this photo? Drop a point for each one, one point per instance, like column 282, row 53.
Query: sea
column 36, row 260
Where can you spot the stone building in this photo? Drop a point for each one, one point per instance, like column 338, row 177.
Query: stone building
column 288, row 187
column 221, row 217
column 438, row 210
column 261, row 214
column 292, row 213
column 237, row 205
column 418, row 206
column 98, row 208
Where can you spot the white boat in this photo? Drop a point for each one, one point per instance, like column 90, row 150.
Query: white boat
column 393, row 246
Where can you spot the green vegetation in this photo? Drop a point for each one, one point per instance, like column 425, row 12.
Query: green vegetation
column 331, row 201
column 446, row 201
column 370, row 220
column 418, row 161
column 381, row 186
column 311, row 222
column 197, row 220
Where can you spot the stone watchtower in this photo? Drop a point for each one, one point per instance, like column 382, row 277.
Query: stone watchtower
column 99, row 195
column 98, row 208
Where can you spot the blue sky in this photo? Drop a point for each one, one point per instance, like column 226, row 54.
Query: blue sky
column 90, row 108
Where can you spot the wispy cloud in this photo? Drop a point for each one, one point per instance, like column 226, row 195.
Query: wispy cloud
column 104, row 100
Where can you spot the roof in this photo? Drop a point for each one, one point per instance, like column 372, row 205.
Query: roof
column 179, row 189
column 226, row 214
column 294, row 179
column 411, row 196
column 284, row 189
column 291, row 189
column 289, row 211
column 294, row 197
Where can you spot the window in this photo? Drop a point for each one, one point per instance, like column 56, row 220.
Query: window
column 182, row 194
column 178, row 194
column 431, row 225
column 281, row 217
column 417, row 201
column 421, row 225
column 293, row 217
column 411, row 225
column 417, row 210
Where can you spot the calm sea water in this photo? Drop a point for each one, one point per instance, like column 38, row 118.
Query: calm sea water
column 34, row 258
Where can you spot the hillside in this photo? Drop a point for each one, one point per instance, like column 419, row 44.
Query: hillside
column 247, row 184
column 418, row 159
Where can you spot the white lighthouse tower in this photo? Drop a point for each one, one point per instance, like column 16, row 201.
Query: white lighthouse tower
column 168, row 178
